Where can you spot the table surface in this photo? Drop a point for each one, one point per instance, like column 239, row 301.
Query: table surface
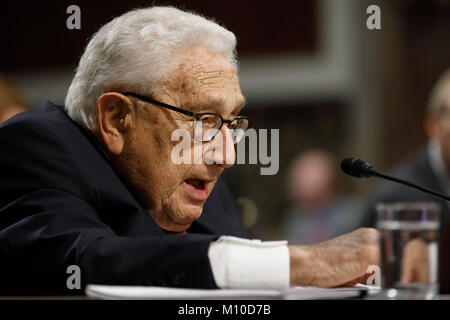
column 84, row 297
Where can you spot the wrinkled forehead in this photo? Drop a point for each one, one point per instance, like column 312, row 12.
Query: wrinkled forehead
column 199, row 74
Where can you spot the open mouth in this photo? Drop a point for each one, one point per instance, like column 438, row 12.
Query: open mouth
column 197, row 183
column 197, row 189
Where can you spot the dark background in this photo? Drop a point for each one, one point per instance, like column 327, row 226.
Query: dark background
column 36, row 36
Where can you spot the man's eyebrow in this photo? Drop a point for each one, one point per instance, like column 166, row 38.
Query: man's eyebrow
column 204, row 104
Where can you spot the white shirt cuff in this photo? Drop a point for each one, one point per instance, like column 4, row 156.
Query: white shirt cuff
column 239, row 263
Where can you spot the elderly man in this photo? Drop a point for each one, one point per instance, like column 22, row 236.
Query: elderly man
column 95, row 185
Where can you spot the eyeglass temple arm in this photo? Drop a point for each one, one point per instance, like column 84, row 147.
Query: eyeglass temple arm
column 161, row 104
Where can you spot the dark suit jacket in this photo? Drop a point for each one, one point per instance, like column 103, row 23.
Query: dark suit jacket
column 61, row 204
column 416, row 169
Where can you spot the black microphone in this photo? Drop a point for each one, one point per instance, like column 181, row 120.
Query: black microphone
column 360, row 169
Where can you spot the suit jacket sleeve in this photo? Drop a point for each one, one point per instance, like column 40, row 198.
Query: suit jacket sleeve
column 48, row 222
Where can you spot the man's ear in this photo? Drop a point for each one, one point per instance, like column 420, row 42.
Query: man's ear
column 114, row 116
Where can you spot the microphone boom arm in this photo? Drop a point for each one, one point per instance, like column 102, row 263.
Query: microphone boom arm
column 374, row 173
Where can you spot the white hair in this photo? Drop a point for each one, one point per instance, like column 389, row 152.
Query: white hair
column 133, row 52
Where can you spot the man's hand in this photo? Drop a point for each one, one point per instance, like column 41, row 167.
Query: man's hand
column 336, row 262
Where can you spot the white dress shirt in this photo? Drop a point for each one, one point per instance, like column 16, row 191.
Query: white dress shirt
column 239, row 263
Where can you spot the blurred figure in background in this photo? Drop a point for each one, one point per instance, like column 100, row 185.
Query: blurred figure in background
column 430, row 166
column 318, row 212
column 11, row 101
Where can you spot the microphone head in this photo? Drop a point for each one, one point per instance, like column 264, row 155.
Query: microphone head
column 357, row 168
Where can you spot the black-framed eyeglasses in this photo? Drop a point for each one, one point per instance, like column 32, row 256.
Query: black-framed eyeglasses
column 206, row 125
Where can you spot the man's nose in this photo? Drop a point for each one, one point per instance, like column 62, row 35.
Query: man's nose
column 221, row 150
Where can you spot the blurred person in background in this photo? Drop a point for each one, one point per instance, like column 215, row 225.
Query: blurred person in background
column 429, row 167
column 11, row 100
column 318, row 212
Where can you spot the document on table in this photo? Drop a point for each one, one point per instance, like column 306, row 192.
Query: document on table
column 164, row 293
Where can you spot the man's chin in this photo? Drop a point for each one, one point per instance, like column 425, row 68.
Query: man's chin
column 191, row 212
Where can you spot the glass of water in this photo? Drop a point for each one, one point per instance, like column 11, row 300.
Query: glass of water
column 409, row 237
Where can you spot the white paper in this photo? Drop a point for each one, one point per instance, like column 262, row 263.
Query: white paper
column 164, row 293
